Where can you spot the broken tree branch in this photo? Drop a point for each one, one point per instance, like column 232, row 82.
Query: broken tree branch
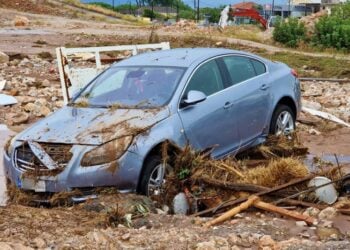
column 229, row 203
column 249, row 202
column 305, row 191
column 292, row 214
column 338, row 165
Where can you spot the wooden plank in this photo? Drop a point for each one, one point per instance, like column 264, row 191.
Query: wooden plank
column 292, row 214
column 232, row 212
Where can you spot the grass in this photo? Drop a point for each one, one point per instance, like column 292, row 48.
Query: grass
column 327, row 67
column 105, row 11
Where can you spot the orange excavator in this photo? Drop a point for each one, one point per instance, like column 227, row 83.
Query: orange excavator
column 252, row 13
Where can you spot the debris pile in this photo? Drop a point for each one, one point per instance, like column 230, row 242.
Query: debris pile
column 213, row 186
column 34, row 83
column 329, row 97
column 310, row 21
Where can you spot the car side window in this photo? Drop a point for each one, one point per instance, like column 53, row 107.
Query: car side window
column 207, row 79
column 258, row 66
column 239, row 68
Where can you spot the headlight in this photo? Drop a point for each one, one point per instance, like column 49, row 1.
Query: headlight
column 107, row 152
column 9, row 145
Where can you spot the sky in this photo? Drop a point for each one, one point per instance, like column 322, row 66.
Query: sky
column 202, row 3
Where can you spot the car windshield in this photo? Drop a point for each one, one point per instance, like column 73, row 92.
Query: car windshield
column 141, row 87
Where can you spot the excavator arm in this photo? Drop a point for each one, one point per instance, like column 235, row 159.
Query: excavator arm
column 252, row 13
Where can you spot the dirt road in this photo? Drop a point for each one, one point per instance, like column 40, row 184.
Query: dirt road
column 60, row 31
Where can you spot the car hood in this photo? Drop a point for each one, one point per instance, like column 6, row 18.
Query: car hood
column 92, row 126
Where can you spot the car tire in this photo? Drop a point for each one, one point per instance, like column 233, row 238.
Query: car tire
column 149, row 176
column 282, row 121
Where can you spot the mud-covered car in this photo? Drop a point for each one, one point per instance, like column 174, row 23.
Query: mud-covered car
column 112, row 131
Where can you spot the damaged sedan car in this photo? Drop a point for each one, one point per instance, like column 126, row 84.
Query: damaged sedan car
column 111, row 133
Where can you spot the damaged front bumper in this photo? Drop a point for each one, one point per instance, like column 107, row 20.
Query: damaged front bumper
column 122, row 174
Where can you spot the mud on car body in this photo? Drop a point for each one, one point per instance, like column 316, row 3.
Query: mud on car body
column 111, row 133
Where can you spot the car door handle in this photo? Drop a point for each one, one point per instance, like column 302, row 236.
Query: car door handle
column 264, row 87
column 228, row 105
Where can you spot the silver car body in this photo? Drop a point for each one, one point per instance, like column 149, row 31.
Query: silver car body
column 235, row 118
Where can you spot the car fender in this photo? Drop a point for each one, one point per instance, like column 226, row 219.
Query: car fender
column 170, row 130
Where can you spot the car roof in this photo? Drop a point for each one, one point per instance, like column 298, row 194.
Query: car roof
column 183, row 57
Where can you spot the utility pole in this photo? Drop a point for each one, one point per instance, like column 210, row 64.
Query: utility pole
column 113, row 4
column 194, row 9
column 272, row 7
column 198, row 11
column 289, row 11
column 177, row 11
column 152, row 10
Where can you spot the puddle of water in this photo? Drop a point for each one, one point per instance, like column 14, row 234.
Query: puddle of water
column 342, row 159
column 20, row 32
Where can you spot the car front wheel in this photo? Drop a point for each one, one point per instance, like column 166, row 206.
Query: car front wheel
column 153, row 179
column 283, row 121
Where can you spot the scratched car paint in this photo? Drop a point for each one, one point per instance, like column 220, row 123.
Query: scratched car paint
column 111, row 133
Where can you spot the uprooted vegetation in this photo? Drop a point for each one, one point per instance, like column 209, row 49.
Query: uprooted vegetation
column 208, row 181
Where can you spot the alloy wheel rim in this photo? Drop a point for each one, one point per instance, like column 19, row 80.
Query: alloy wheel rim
column 156, row 182
column 284, row 124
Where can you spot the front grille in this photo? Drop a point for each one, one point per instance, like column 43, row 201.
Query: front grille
column 26, row 161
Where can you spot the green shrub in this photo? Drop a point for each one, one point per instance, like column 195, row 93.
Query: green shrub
column 334, row 30
column 152, row 14
column 289, row 32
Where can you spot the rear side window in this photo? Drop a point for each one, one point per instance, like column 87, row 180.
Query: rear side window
column 239, row 68
column 258, row 66
column 207, row 79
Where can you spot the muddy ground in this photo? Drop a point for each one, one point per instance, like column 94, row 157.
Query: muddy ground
column 32, row 78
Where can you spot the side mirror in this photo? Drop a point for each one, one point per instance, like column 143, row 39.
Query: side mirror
column 193, row 97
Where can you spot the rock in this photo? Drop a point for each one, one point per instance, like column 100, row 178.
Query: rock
column 311, row 211
column 29, row 81
column 220, row 242
column 13, row 246
column 327, row 223
column 4, row 58
column 207, row 245
column 39, row 242
column 21, row 21
column 324, row 233
column 19, row 118
column 180, row 204
column 267, row 241
column 234, row 239
column 301, row 223
column 126, row 236
column 5, row 246
column 311, row 105
column 97, row 237
column 25, row 99
column 313, row 131
column 46, row 83
column 328, row 213
column 38, row 108
column 29, row 107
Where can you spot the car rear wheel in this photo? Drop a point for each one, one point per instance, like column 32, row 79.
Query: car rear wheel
column 153, row 179
column 283, row 121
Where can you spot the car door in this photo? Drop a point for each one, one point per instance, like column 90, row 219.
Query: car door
column 209, row 122
column 250, row 95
